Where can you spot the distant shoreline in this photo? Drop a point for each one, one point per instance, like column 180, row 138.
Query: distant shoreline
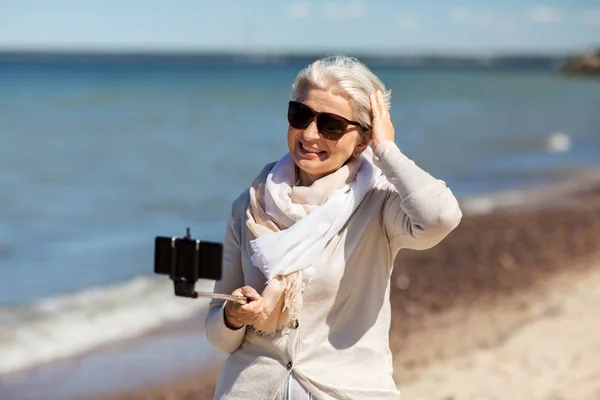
column 503, row 61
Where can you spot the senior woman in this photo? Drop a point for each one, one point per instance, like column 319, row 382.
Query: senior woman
column 311, row 245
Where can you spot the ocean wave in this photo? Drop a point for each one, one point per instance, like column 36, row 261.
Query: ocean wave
column 64, row 326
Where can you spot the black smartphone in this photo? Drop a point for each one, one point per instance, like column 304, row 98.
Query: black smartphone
column 187, row 258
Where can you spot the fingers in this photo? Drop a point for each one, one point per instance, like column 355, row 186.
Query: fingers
column 381, row 100
column 383, row 128
column 250, row 293
column 247, row 313
column 375, row 106
column 378, row 107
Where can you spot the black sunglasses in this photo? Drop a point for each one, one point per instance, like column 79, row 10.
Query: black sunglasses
column 331, row 126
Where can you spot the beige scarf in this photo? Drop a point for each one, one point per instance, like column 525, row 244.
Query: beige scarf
column 282, row 295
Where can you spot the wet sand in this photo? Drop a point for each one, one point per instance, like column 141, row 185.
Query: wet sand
column 480, row 315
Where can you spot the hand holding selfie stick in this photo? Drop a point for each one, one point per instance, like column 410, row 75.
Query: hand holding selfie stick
column 186, row 260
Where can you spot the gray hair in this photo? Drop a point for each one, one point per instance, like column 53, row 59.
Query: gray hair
column 350, row 77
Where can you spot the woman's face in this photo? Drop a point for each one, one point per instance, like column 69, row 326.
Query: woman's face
column 332, row 154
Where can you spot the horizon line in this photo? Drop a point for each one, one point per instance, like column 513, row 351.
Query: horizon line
column 287, row 54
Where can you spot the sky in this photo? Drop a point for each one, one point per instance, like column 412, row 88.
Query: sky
column 284, row 26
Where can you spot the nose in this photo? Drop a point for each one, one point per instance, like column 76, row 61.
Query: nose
column 311, row 132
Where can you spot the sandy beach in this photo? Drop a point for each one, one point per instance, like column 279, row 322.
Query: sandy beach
column 504, row 308
column 553, row 353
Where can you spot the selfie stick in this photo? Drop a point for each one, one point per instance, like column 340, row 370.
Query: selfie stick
column 185, row 287
column 236, row 299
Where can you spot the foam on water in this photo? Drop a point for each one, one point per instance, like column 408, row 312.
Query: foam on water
column 64, row 326
column 558, row 142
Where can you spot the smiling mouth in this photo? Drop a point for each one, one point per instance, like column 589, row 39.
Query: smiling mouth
column 307, row 150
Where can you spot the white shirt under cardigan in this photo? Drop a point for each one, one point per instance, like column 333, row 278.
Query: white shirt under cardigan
column 340, row 348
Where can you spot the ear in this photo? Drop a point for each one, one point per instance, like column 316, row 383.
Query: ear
column 363, row 141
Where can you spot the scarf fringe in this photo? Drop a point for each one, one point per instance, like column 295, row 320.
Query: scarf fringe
column 290, row 325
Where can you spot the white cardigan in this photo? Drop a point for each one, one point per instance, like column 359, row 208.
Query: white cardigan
column 340, row 349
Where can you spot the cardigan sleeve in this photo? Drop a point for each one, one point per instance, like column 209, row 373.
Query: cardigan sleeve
column 222, row 338
column 420, row 210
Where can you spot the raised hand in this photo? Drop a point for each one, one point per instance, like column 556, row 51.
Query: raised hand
column 383, row 129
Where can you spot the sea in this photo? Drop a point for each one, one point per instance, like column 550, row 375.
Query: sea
column 98, row 156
